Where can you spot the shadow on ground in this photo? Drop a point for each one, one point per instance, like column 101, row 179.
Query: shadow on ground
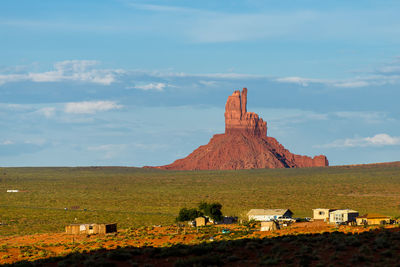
column 374, row 248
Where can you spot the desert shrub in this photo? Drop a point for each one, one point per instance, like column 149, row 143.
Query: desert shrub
column 232, row 258
column 97, row 262
column 303, row 250
column 289, row 260
column 119, row 255
column 365, row 250
column 305, row 260
column 175, row 251
column 66, row 262
column 23, row 264
column 358, row 258
column 353, row 241
column 223, row 246
column 198, row 261
column 133, row 263
column 387, row 253
column 201, row 249
column 42, row 253
column 252, row 245
column 382, row 242
column 4, row 248
column 275, row 249
column 268, row 260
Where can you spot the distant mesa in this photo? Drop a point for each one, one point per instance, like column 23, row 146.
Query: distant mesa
column 244, row 145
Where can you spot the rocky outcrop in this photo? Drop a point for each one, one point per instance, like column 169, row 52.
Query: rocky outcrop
column 244, row 145
column 237, row 119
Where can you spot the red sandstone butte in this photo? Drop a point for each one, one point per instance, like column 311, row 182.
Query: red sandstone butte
column 244, row 145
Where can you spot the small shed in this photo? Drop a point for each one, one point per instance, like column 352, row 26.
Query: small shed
column 269, row 226
column 201, row 221
column 91, row 228
column 343, row 216
column 321, row 214
column 265, row 215
column 372, row 218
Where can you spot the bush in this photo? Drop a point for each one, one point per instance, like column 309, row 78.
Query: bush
column 119, row 255
column 208, row 260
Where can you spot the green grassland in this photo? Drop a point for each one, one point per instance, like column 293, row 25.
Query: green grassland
column 134, row 197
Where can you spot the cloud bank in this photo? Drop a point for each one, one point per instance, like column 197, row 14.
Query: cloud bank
column 90, row 107
column 376, row 140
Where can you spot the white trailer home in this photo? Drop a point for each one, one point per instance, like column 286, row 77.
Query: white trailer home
column 265, row 215
column 343, row 216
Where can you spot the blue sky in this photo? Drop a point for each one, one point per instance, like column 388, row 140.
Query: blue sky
column 145, row 82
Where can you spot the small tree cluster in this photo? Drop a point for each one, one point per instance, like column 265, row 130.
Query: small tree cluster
column 188, row 214
column 211, row 210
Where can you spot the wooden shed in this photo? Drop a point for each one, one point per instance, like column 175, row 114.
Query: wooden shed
column 201, row 221
column 91, row 228
column 269, row 226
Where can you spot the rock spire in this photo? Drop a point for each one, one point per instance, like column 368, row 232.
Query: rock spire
column 244, row 145
column 237, row 119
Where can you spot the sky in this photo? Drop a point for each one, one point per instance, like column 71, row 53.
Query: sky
column 136, row 83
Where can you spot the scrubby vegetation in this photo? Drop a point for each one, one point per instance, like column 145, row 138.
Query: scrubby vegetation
column 133, row 197
column 211, row 210
column 379, row 247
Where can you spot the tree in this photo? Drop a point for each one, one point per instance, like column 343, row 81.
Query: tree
column 188, row 214
column 212, row 210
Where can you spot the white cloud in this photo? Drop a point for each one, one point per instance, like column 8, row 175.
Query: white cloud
column 356, row 82
column 366, row 116
column 151, row 86
column 7, row 142
column 37, row 142
column 299, row 80
column 208, row 83
column 75, row 70
column 6, row 78
column 161, row 8
column 383, row 140
column 376, row 140
column 109, row 151
column 90, row 107
column 351, row 84
column 47, row 111
column 68, row 70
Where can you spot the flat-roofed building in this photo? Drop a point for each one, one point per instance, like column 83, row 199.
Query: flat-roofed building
column 372, row 219
column 91, row 228
column 321, row 214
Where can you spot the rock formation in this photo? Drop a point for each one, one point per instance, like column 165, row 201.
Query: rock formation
column 244, row 145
